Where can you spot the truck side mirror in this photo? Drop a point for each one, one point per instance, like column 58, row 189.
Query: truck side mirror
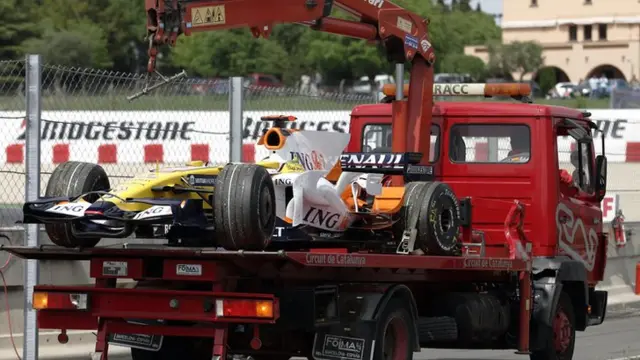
column 601, row 177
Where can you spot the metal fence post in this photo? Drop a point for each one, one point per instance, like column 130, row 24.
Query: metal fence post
column 235, row 119
column 32, row 191
column 399, row 81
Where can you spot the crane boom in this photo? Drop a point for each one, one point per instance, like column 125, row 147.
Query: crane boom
column 403, row 34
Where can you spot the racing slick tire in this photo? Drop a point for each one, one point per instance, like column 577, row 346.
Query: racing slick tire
column 438, row 211
column 559, row 339
column 244, row 207
column 73, row 178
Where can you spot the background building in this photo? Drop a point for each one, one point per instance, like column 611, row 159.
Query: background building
column 581, row 38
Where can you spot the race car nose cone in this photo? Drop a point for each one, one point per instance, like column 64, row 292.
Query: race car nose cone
column 98, row 209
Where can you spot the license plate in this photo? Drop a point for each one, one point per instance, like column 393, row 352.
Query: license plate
column 138, row 341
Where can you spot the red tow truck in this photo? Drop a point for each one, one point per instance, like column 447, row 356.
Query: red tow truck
column 521, row 282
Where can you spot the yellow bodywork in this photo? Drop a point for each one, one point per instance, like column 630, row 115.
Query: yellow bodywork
column 388, row 202
column 141, row 186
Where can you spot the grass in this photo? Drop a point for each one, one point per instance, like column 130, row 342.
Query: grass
column 221, row 103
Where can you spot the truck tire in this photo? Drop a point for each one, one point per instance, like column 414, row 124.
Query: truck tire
column 395, row 333
column 244, row 207
column 174, row 347
column 73, row 178
column 560, row 338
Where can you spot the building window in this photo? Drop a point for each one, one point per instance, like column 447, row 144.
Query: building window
column 573, row 33
column 588, row 29
column 534, row 3
column 602, row 31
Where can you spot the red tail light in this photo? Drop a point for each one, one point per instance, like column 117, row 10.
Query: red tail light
column 43, row 300
column 242, row 308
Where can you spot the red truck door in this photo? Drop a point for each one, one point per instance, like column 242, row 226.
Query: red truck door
column 578, row 216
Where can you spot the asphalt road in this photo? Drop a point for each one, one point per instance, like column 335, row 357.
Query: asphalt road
column 614, row 339
column 617, row 339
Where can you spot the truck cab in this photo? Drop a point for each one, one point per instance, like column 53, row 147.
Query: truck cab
column 503, row 152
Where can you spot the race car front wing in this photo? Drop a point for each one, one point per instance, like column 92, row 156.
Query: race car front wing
column 106, row 219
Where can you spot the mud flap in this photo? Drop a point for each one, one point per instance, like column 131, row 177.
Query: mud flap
column 546, row 297
column 334, row 344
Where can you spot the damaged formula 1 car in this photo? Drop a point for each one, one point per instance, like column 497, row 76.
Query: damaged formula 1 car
column 305, row 194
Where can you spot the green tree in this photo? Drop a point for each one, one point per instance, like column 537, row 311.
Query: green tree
column 465, row 64
column 229, row 53
column 523, row 57
column 121, row 21
column 478, row 7
column 82, row 44
column 547, row 79
column 465, row 6
column 498, row 64
column 516, row 57
column 16, row 26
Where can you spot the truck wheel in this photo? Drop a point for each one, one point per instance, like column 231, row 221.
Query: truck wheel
column 395, row 334
column 560, row 338
column 244, row 207
column 174, row 347
column 74, row 178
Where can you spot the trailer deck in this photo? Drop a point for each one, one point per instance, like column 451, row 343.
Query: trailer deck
column 163, row 262
column 216, row 301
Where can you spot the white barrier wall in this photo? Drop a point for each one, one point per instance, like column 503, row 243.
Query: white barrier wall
column 128, row 137
column 128, row 142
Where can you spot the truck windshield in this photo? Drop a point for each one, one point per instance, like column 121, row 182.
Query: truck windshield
column 377, row 138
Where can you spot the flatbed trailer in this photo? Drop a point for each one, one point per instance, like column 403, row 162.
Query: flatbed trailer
column 206, row 293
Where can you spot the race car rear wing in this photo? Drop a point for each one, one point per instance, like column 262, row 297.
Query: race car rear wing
column 387, row 163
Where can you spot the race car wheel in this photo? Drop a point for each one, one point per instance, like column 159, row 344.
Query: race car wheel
column 244, row 207
column 438, row 212
column 74, row 178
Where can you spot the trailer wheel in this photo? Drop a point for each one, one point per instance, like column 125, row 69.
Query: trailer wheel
column 395, row 333
column 73, row 178
column 559, row 339
column 244, row 207
column 174, row 347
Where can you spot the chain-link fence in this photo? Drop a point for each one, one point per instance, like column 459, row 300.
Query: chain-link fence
column 87, row 116
column 314, row 110
column 12, row 114
column 625, row 99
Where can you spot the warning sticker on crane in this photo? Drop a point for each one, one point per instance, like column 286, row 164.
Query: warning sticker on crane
column 404, row 24
column 208, row 15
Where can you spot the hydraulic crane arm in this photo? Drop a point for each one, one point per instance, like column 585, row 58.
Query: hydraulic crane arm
column 403, row 35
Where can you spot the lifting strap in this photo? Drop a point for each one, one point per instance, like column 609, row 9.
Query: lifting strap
column 408, row 242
